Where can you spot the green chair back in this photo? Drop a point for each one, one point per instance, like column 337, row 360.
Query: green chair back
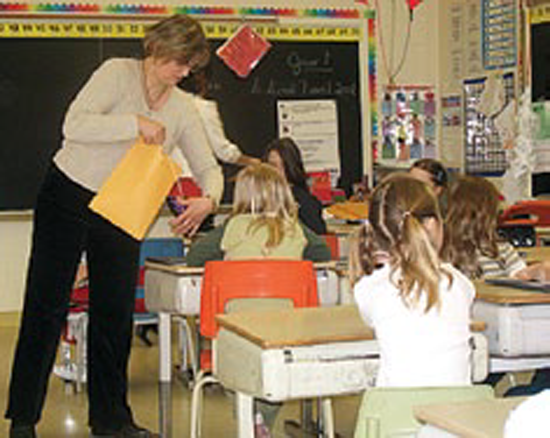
column 388, row 412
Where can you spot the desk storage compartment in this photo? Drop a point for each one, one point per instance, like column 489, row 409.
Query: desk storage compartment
column 177, row 293
column 172, row 293
column 515, row 330
column 284, row 373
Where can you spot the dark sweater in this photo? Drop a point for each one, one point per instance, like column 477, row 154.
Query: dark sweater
column 310, row 210
column 208, row 247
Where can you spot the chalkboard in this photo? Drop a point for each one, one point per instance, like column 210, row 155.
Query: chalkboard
column 540, row 62
column 40, row 76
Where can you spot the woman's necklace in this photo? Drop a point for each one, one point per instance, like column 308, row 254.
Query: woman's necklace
column 155, row 94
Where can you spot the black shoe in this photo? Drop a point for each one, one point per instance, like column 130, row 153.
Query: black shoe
column 22, row 431
column 127, row 431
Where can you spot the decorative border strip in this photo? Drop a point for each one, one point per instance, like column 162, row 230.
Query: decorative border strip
column 125, row 9
column 64, row 29
column 540, row 14
column 373, row 87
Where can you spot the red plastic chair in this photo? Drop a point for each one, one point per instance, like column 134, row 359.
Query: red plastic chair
column 518, row 222
column 225, row 281
column 332, row 242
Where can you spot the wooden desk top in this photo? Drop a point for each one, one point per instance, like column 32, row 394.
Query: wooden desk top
column 474, row 419
column 181, row 269
column 508, row 295
column 295, row 327
column 305, row 326
column 536, row 253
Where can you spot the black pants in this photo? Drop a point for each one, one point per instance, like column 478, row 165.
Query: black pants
column 64, row 227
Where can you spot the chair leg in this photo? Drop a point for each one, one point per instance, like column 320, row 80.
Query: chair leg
column 188, row 347
column 196, row 403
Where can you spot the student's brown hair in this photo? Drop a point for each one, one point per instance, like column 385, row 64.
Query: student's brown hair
column 471, row 224
column 437, row 171
column 398, row 207
column 178, row 38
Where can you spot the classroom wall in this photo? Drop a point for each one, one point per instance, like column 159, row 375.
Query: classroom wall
column 421, row 66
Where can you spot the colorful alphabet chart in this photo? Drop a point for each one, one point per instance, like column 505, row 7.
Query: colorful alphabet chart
column 408, row 123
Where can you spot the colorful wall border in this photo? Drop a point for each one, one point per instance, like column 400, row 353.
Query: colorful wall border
column 145, row 10
column 372, row 83
column 219, row 30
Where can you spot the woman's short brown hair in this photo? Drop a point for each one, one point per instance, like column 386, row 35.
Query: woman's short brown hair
column 180, row 38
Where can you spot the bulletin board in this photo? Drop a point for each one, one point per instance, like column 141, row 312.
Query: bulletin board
column 45, row 62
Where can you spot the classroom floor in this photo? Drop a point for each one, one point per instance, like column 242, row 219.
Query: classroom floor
column 65, row 413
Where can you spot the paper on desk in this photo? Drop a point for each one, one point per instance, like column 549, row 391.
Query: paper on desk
column 133, row 195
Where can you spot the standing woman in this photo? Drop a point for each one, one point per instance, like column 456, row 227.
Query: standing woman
column 284, row 154
column 123, row 100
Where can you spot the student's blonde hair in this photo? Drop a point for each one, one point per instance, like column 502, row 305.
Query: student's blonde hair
column 397, row 209
column 261, row 191
column 471, row 224
column 178, row 38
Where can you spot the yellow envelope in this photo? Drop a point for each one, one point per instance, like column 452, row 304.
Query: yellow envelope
column 133, row 195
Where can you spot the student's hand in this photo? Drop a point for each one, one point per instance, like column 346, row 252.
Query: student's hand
column 196, row 210
column 537, row 271
column 151, row 131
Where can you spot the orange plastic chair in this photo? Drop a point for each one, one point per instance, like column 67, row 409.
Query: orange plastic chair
column 224, row 281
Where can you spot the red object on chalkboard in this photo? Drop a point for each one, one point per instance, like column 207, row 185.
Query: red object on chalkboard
column 242, row 52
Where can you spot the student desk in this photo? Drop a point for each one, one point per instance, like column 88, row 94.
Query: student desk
column 175, row 290
column 535, row 253
column 296, row 353
column 518, row 326
column 474, row 419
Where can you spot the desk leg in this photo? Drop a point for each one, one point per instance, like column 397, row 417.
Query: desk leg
column 245, row 415
column 165, row 352
column 165, row 410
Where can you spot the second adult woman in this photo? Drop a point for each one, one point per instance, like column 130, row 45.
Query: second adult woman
column 284, row 154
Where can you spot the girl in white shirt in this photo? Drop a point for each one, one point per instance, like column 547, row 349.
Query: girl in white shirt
column 418, row 306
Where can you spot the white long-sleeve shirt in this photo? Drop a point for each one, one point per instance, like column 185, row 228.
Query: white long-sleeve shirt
column 418, row 348
column 101, row 125
column 224, row 149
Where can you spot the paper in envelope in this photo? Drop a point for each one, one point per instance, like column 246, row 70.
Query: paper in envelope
column 133, row 195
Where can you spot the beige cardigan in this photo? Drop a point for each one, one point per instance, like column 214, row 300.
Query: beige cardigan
column 101, row 124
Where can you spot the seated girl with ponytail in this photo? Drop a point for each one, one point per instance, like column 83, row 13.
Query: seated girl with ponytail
column 418, row 306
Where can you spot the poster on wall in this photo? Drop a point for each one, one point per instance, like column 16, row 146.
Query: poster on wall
column 498, row 33
column 451, row 130
column 485, row 99
column 313, row 124
column 408, row 124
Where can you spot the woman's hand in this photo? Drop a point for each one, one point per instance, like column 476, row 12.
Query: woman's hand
column 151, row 131
column 196, row 210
